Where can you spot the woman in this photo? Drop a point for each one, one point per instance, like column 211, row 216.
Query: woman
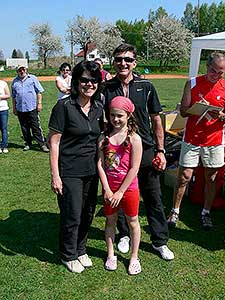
column 74, row 129
column 63, row 81
column 4, row 113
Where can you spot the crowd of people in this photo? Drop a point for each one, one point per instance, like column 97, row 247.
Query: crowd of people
column 109, row 127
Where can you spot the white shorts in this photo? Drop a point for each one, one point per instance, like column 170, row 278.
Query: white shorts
column 211, row 156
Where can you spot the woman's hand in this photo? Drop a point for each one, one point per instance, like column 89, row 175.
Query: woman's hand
column 115, row 199
column 57, row 185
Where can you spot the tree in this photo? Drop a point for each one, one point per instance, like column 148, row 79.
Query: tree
column 190, row 18
column 169, row 40
column 14, row 53
column 81, row 31
column 2, row 58
column 27, row 56
column 154, row 15
column 133, row 33
column 110, row 39
column 19, row 53
column 45, row 43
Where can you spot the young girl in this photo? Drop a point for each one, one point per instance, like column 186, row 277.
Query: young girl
column 120, row 151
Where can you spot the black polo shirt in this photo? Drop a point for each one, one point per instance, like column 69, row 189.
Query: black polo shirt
column 78, row 145
column 145, row 99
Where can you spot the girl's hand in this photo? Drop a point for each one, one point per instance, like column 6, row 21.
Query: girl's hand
column 57, row 185
column 115, row 199
column 107, row 196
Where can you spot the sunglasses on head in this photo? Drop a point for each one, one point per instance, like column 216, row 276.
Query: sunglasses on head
column 87, row 80
column 127, row 59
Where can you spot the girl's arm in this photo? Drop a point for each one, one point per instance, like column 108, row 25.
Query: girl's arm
column 54, row 141
column 100, row 164
column 136, row 155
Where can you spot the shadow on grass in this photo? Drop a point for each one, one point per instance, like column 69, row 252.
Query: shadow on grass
column 191, row 230
column 32, row 234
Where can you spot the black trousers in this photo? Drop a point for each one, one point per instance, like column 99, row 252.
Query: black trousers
column 77, row 207
column 149, row 184
column 30, row 121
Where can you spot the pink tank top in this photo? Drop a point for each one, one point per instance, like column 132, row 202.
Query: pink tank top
column 117, row 165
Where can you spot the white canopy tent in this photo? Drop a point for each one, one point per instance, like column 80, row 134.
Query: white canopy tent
column 214, row 41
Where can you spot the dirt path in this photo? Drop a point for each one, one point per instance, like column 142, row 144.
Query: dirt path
column 157, row 76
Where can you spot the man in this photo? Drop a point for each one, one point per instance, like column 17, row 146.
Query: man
column 203, row 136
column 145, row 99
column 27, row 102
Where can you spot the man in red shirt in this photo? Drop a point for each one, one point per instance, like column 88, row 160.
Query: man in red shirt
column 203, row 137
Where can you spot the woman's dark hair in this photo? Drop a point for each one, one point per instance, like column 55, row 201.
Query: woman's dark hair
column 78, row 70
column 63, row 66
column 131, row 126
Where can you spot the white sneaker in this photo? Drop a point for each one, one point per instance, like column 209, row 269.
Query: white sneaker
column 5, row 150
column 73, row 266
column 0, row 150
column 164, row 251
column 85, row 260
column 124, row 244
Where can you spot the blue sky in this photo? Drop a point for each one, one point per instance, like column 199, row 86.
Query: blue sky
column 18, row 16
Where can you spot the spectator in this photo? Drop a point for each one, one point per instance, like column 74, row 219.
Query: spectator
column 203, row 138
column 4, row 113
column 105, row 75
column 27, row 103
column 74, row 129
column 63, row 81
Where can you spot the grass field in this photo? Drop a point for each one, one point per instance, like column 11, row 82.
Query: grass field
column 30, row 267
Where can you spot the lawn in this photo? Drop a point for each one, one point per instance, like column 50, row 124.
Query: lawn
column 30, row 267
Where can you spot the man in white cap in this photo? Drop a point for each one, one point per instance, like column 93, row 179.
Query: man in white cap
column 27, row 102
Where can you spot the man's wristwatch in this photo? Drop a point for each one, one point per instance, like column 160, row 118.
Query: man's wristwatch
column 161, row 151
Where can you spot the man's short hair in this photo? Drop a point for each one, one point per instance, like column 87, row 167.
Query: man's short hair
column 215, row 56
column 125, row 48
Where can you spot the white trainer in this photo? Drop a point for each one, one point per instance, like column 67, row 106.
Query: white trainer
column 5, row 150
column 124, row 244
column 164, row 251
column 74, row 266
column 85, row 260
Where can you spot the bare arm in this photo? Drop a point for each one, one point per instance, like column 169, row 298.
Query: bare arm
column 159, row 139
column 136, row 155
column 61, row 87
column 39, row 102
column 186, row 100
column 54, row 141
column 100, row 164
column 7, row 93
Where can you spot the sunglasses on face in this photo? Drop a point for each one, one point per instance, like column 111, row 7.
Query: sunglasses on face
column 87, row 80
column 66, row 70
column 127, row 59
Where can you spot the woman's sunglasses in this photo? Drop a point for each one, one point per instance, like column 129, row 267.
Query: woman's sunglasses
column 87, row 80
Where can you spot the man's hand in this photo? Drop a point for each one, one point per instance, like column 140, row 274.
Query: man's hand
column 159, row 162
column 39, row 107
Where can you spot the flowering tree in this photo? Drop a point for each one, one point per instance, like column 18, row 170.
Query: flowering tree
column 81, row 32
column 169, row 40
column 45, row 43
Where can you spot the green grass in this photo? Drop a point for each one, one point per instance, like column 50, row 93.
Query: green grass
column 30, row 267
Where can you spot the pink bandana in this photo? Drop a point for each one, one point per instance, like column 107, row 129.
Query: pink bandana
column 123, row 103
